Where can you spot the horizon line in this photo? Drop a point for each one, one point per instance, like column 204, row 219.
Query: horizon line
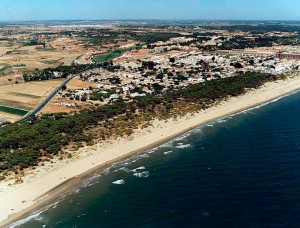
column 207, row 20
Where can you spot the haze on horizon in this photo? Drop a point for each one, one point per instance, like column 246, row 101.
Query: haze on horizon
column 26, row 10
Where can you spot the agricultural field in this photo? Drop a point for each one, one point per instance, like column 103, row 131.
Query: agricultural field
column 27, row 57
column 13, row 111
column 110, row 55
column 76, row 83
column 17, row 99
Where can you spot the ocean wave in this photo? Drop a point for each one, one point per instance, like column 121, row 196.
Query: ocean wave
column 133, row 159
column 90, row 181
column 183, row 146
column 119, row 182
column 170, row 144
column 139, row 168
column 152, row 151
column 77, row 190
column 124, row 169
column 34, row 216
column 266, row 103
column 97, row 175
column 168, row 152
column 166, row 145
column 198, row 129
column 246, row 111
column 145, row 155
column 129, row 161
column 80, row 215
column 107, row 170
column 182, row 137
column 144, row 174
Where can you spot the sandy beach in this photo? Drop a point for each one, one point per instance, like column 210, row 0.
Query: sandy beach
column 45, row 183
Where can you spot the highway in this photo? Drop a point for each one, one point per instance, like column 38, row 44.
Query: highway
column 45, row 102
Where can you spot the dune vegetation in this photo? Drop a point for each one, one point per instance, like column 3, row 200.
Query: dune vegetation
column 30, row 143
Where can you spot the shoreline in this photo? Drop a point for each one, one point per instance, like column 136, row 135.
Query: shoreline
column 47, row 188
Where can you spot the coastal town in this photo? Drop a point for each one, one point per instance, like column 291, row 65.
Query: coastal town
column 128, row 61
column 150, row 71
column 65, row 70
column 149, row 113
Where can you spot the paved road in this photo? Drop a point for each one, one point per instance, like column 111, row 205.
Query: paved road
column 45, row 102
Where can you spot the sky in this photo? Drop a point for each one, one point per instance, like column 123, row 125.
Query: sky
column 20, row 10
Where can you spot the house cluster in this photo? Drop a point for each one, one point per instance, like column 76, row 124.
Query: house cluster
column 149, row 71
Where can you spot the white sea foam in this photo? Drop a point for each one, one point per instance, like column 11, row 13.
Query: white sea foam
column 183, row 146
column 96, row 176
column 266, row 103
column 144, row 156
column 119, row 182
column 77, row 190
column 152, row 151
column 168, row 152
column 129, row 161
column 139, row 168
column 35, row 216
column 198, row 130
column 182, row 137
column 80, row 215
column 144, row 174
column 167, row 144
column 124, row 169
column 90, row 181
column 107, row 170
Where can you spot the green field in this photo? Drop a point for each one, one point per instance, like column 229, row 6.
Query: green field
column 49, row 61
column 20, row 65
column 14, row 111
column 6, row 67
column 25, row 95
column 53, row 61
column 110, row 55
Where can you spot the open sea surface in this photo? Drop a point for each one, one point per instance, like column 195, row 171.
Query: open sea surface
column 240, row 171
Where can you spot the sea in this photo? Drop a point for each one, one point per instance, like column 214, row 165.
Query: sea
column 239, row 171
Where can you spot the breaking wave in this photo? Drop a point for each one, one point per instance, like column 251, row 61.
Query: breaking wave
column 168, row 152
column 183, row 146
column 139, row 168
column 124, row 169
column 144, row 174
column 119, row 182
column 35, row 216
